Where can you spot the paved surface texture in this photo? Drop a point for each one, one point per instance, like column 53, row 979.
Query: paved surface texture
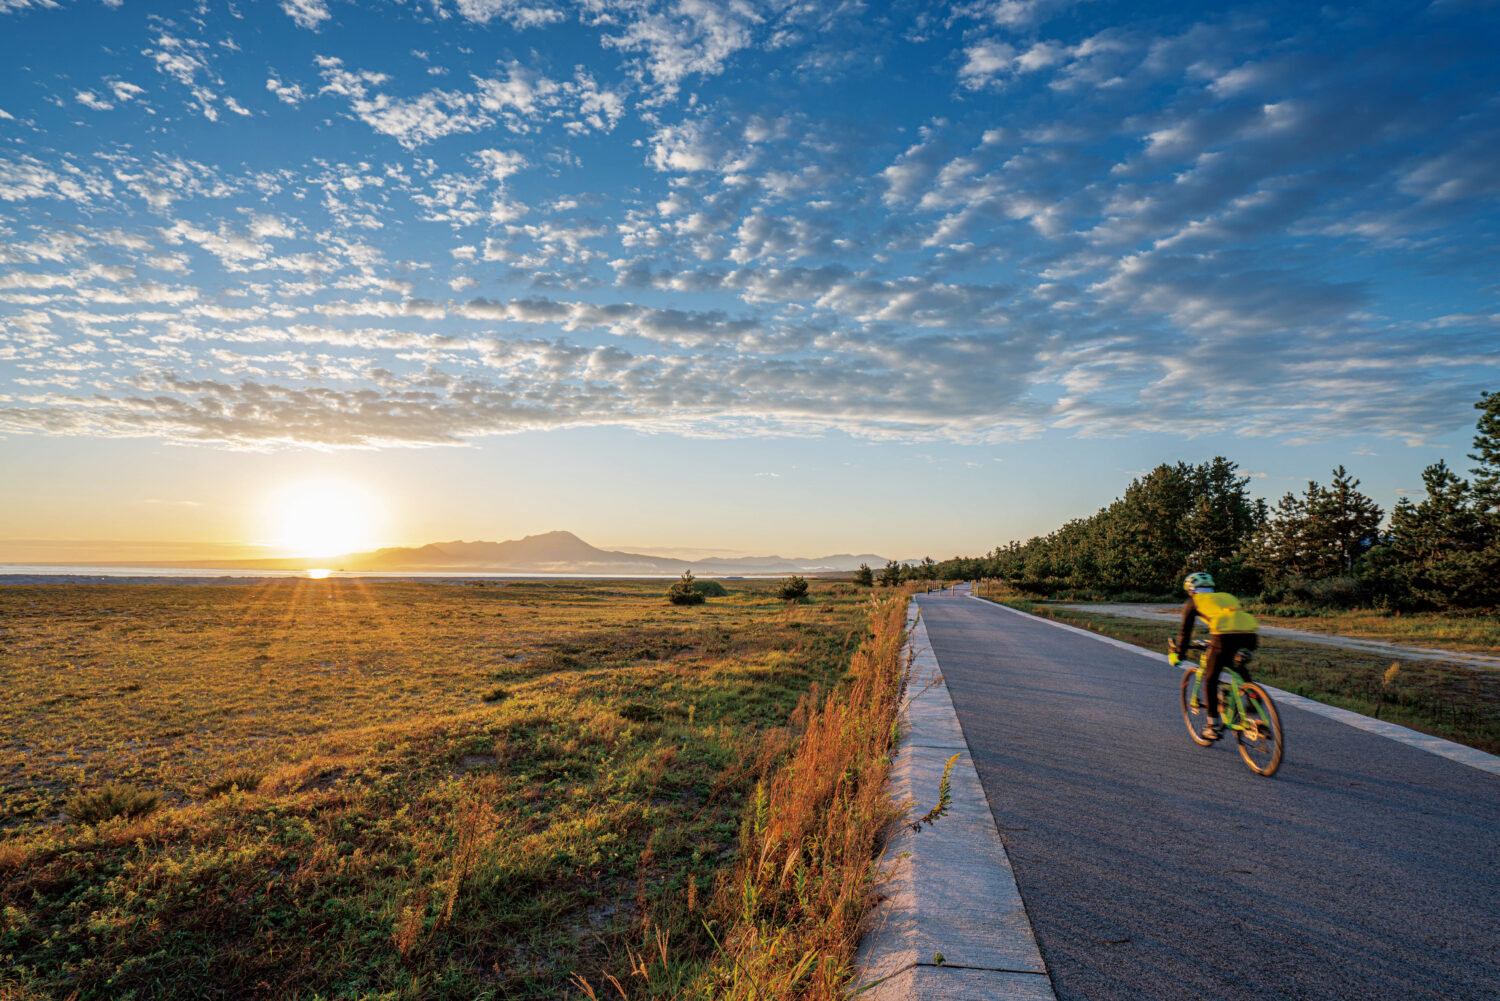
column 1152, row 868
column 951, row 924
column 1400, row 650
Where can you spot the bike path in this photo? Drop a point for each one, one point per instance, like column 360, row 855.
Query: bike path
column 1152, row 868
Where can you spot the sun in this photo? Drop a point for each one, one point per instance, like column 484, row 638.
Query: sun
column 321, row 517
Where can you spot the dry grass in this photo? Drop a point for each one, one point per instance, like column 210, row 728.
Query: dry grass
column 1453, row 701
column 1477, row 632
column 793, row 908
column 344, row 815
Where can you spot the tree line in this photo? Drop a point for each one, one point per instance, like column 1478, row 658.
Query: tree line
column 1329, row 545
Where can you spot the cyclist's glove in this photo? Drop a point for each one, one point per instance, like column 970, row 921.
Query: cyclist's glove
column 1173, row 659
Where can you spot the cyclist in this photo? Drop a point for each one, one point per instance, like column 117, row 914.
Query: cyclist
column 1231, row 629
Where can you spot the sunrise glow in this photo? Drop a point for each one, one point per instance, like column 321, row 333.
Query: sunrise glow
column 321, row 518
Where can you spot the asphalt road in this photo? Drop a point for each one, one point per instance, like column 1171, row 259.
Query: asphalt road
column 1154, row 869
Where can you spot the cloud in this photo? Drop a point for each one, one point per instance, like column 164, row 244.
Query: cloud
column 309, row 14
column 984, row 61
column 513, row 12
column 691, row 37
column 124, row 90
column 519, row 100
column 287, row 93
column 89, row 99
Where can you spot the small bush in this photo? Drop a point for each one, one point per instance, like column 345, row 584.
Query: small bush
column 1329, row 592
column 712, row 589
column 685, row 591
column 111, row 801
column 794, row 588
column 496, row 695
column 244, row 780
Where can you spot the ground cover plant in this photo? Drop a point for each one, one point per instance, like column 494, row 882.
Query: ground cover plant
column 1454, row 701
column 388, row 790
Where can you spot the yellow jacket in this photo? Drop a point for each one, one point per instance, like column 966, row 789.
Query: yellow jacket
column 1223, row 613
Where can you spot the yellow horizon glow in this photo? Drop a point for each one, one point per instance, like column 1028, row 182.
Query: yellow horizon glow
column 321, row 517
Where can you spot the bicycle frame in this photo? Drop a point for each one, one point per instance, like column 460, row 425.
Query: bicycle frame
column 1231, row 702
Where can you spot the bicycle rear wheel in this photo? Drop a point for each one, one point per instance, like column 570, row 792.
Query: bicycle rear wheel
column 1194, row 711
column 1261, row 740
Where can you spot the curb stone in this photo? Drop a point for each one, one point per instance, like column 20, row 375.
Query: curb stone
column 1464, row 755
column 952, row 924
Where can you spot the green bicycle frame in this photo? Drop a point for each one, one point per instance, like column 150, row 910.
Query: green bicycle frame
column 1231, row 703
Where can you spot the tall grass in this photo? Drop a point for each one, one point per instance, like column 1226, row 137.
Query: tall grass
column 792, row 908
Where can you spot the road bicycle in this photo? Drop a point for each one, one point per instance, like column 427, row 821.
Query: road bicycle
column 1244, row 707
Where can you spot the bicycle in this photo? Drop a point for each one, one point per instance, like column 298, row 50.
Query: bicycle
column 1244, row 707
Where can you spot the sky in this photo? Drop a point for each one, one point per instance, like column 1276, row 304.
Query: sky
column 740, row 277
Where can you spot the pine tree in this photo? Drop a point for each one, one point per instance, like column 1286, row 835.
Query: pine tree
column 1486, row 483
column 1277, row 548
column 1445, row 549
column 1340, row 526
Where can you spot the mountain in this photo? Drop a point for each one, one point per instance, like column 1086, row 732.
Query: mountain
column 550, row 552
column 564, row 552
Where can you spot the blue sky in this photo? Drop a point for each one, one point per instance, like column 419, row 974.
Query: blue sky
column 744, row 276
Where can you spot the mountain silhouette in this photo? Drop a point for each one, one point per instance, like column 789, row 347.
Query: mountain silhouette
column 549, row 552
column 564, row 552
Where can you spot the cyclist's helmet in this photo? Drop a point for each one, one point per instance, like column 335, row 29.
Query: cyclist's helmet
column 1198, row 582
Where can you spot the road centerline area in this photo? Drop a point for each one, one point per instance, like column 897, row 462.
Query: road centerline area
column 1152, row 868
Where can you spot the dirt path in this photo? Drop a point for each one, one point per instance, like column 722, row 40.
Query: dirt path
column 1396, row 650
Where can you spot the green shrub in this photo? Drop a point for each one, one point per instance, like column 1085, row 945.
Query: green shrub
column 685, row 591
column 111, row 801
column 712, row 589
column 496, row 695
column 794, row 588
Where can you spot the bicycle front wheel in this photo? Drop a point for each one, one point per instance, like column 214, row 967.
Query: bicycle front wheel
column 1194, row 711
column 1261, row 740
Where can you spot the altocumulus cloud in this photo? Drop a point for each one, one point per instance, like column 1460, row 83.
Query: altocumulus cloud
column 976, row 223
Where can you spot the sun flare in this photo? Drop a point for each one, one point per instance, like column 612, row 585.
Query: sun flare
column 322, row 518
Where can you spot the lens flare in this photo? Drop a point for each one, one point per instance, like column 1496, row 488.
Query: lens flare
column 321, row 518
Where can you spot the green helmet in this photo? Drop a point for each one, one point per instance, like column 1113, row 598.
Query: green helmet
column 1198, row 582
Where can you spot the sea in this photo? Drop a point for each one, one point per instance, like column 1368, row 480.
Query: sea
column 52, row 573
column 74, row 574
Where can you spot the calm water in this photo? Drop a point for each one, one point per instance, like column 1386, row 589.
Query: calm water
column 43, row 573
column 211, row 573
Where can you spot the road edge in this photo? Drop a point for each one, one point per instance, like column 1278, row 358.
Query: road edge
column 1461, row 753
column 950, row 921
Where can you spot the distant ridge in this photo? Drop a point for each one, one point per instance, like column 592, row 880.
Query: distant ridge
column 549, row 552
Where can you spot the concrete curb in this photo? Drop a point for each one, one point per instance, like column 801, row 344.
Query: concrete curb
column 952, row 924
column 1470, row 756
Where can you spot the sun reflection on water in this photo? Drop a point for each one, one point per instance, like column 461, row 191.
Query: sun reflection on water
column 319, row 574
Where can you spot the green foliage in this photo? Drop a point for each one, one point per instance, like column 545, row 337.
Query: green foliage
column 1322, row 534
column 793, row 588
column 891, row 575
column 712, row 589
column 109, row 802
column 864, row 576
column 1323, row 548
column 685, row 591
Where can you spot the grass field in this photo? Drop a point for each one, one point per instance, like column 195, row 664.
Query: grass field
column 1453, row 701
column 1477, row 632
column 385, row 790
